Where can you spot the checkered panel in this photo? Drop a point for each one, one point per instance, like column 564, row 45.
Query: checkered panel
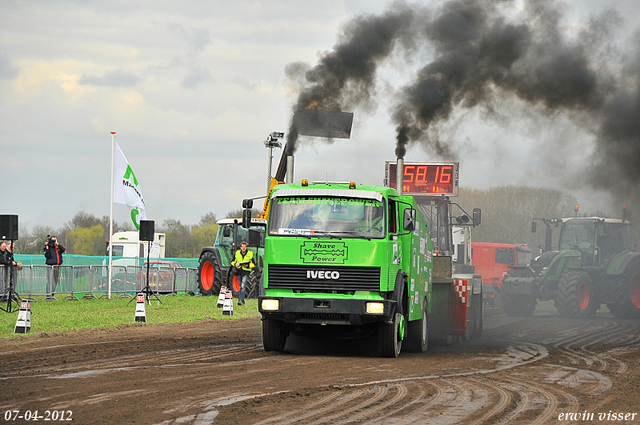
column 460, row 286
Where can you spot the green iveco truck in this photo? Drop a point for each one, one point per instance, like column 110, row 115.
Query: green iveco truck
column 349, row 260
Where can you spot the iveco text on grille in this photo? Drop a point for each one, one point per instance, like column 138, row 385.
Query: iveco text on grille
column 322, row 274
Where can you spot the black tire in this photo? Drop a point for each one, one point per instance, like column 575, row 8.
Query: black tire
column 274, row 335
column 417, row 338
column 627, row 294
column 390, row 337
column 209, row 275
column 576, row 297
column 251, row 288
column 519, row 305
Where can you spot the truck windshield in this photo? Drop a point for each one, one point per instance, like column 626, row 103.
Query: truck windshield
column 327, row 216
column 523, row 256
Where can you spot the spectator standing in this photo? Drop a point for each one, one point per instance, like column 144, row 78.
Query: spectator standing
column 5, row 262
column 53, row 253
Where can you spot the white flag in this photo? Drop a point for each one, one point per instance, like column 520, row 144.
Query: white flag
column 126, row 189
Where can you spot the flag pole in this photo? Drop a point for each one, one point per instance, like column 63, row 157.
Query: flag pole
column 113, row 156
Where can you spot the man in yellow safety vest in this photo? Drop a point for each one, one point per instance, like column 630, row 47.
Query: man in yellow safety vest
column 243, row 264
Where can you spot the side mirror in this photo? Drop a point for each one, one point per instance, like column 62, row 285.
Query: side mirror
column 409, row 220
column 533, row 227
column 247, row 203
column 246, row 218
column 477, row 216
column 463, row 219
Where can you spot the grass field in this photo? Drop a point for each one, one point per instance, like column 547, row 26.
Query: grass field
column 64, row 316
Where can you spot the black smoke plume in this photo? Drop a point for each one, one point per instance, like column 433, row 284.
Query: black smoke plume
column 487, row 52
column 346, row 75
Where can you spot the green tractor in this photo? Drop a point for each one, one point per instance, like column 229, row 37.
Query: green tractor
column 214, row 265
column 592, row 266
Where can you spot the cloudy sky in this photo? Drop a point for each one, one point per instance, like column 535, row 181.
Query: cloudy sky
column 193, row 88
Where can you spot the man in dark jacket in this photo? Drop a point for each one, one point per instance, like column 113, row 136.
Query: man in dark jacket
column 53, row 253
column 8, row 269
column 6, row 260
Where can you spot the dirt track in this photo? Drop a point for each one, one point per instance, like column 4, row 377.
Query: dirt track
column 525, row 371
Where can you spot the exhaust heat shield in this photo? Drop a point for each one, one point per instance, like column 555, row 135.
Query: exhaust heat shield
column 323, row 123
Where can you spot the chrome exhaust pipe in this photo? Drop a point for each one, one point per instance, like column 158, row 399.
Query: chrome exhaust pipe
column 399, row 175
column 290, row 169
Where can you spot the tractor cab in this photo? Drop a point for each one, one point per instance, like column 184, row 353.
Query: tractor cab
column 231, row 233
column 597, row 239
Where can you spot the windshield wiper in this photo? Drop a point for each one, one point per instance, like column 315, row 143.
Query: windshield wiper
column 351, row 233
column 323, row 233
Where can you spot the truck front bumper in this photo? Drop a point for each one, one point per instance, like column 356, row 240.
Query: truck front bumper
column 321, row 311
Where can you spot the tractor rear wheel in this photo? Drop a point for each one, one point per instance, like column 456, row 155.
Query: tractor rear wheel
column 209, row 275
column 274, row 335
column 627, row 295
column 233, row 281
column 576, row 297
column 519, row 305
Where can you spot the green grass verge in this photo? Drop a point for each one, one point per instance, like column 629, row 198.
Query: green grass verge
column 65, row 316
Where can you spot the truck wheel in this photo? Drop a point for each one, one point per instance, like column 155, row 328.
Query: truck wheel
column 576, row 296
column 417, row 339
column 519, row 305
column 209, row 275
column 627, row 295
column 274, row 335
column 390, row 337
column 251, row 288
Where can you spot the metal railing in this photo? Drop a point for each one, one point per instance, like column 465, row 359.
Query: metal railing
column 91, row 281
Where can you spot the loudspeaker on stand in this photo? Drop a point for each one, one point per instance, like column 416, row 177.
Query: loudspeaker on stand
column 147, row 230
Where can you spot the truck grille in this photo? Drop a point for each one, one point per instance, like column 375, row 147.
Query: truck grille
column 307, row 278
column 329, row 319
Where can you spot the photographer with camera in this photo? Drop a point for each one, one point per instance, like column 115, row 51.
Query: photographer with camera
column 53, row 253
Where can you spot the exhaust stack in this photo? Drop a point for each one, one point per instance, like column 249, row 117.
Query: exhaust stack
column 290, row 169
column 399, row 175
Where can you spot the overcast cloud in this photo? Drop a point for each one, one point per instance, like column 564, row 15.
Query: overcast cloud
column 193, row 88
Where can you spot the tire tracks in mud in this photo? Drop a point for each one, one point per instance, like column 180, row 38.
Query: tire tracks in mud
column 203, row 356
column 580, row 346
column 483, row 397
column 449, row 398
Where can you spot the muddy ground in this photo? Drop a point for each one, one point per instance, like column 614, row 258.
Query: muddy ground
column 522, row 371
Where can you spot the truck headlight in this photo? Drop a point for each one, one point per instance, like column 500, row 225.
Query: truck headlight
column 270, row 304
column 375, row 308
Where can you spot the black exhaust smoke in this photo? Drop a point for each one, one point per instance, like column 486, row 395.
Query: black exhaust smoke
column 485, row 53
column 346, row 75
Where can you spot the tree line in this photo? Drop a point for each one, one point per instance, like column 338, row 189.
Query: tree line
column 507, row 213
column 86, row 234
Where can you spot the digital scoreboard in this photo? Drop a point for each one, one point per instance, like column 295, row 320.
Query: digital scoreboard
column 424, row 178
